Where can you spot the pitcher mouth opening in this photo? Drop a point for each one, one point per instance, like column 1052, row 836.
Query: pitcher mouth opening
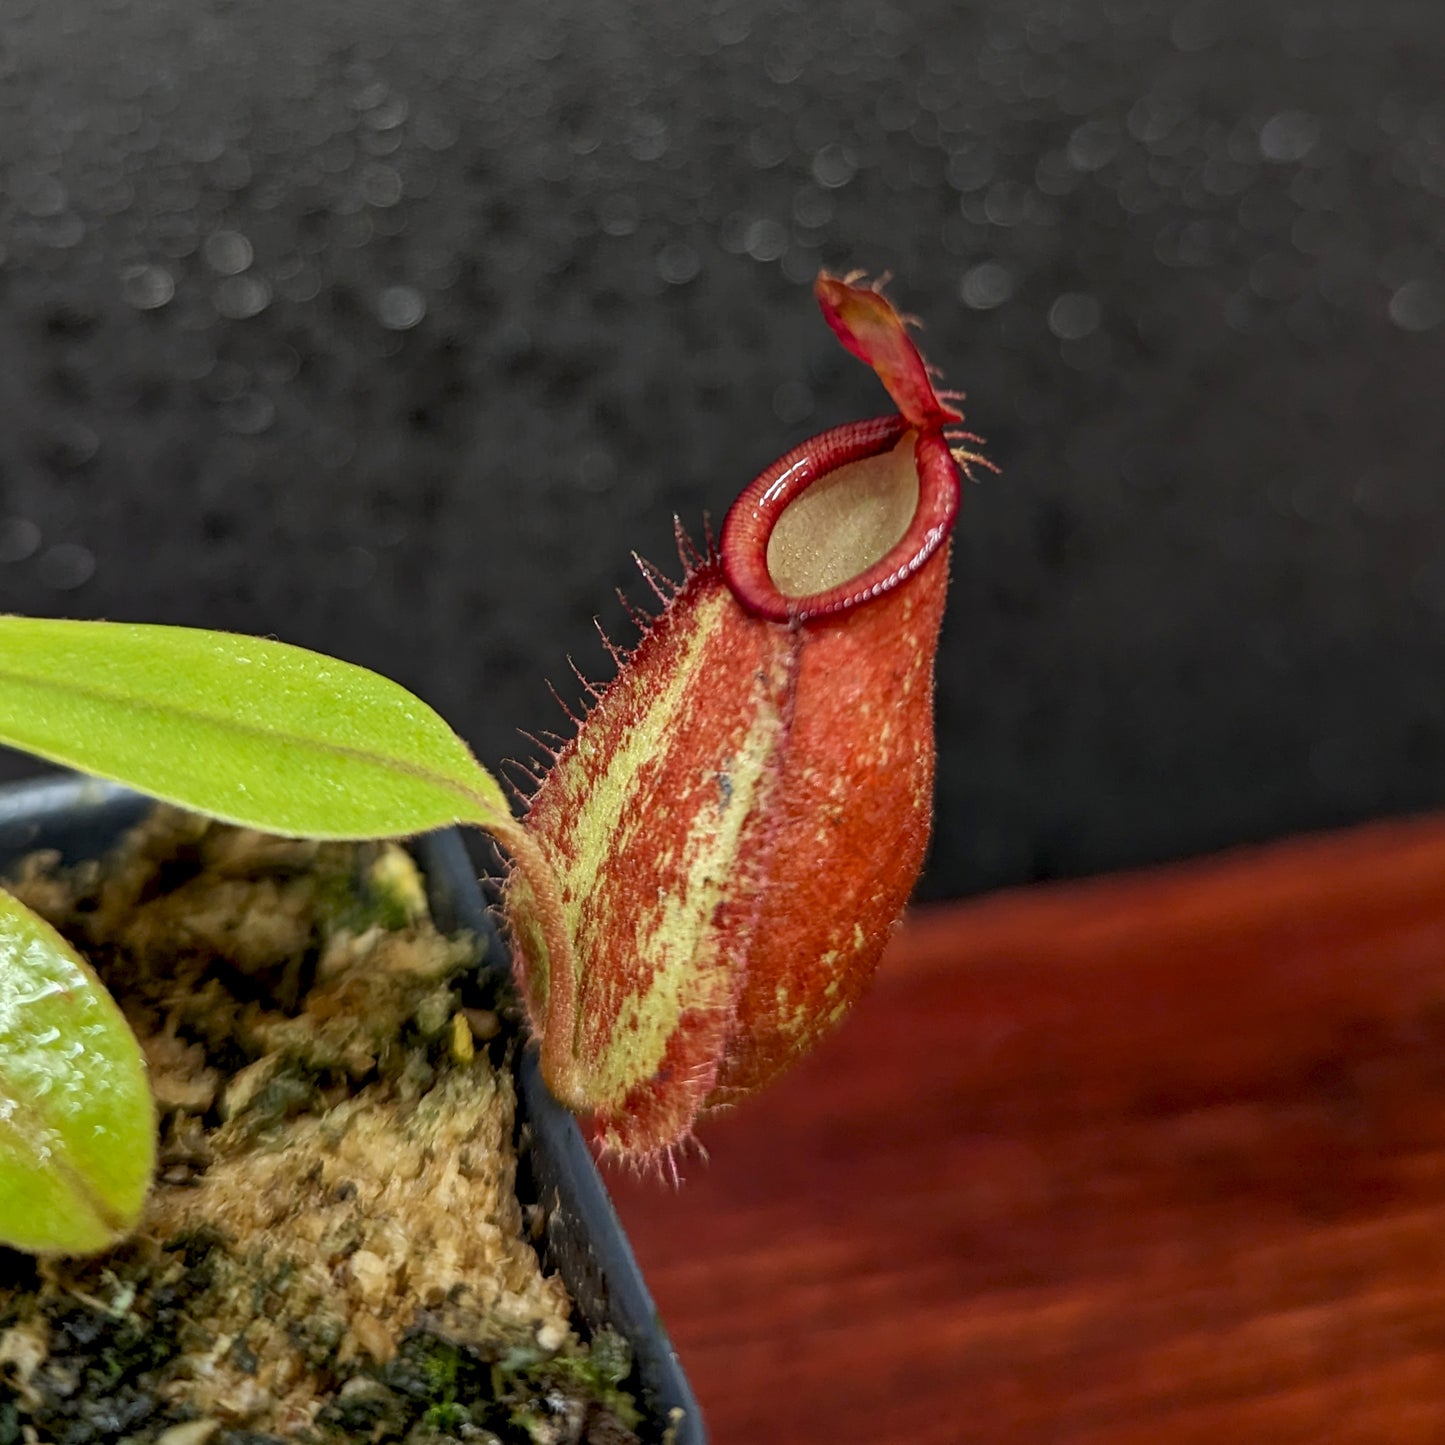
column 840, row 520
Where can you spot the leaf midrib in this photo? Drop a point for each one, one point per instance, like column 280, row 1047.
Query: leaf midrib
column 27, row 1126
column 229, row 723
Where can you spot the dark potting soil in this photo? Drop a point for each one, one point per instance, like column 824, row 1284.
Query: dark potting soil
column 334, row 1249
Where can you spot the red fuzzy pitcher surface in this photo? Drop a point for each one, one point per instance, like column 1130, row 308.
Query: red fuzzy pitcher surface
column 738, row 822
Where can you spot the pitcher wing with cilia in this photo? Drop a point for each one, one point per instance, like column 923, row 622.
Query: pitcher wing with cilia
column 738, row 822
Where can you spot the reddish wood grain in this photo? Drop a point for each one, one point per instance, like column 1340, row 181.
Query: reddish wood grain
column 1157, row 1158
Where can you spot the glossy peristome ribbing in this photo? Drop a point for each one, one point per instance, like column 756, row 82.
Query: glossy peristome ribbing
column 738, row 822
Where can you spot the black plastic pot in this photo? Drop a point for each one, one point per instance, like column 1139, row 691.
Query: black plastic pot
column 583, row 1240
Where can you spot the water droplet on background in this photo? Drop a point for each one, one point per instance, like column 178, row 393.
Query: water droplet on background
column 147, row 288
column 1418, row 305
column 1290, row 135
column 970, row 169
column 793, row 403
column 66, row 566
column 1007, row 203
column 240, row 297
column 19, row 539
column 227, row 253
column 678, row 263
column 834, row 166
column 1093, row 145
column 250, row 414
column 765, row 239
column 1074, row 315
column 986, row 285
column 399, row 308
column 380, row 185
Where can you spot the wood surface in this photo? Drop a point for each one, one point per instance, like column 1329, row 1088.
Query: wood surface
column 1144, row 1160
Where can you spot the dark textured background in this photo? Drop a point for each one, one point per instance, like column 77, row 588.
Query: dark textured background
column 391, row 329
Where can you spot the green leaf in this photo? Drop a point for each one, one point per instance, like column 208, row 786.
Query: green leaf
column 249, row 731
column 77, row 1127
